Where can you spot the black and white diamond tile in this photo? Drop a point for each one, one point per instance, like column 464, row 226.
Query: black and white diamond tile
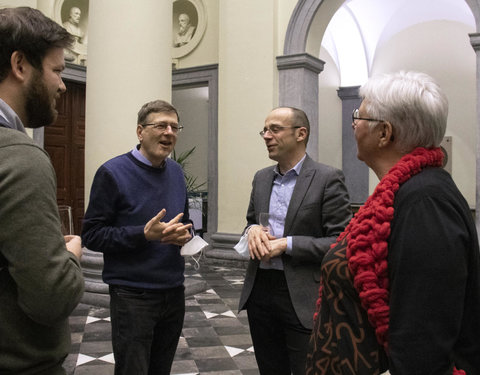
column 215, row 339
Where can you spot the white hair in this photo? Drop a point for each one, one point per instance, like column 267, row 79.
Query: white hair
column 413, row 103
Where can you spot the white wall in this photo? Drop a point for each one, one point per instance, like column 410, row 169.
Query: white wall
column 129, row 64
column 19, row 3
column 247, row 92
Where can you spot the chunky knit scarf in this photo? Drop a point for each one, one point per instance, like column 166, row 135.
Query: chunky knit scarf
column 367, row 235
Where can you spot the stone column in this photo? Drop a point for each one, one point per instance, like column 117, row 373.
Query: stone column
column 356, row 172
column 129, row 63
column 298, row 87
column 475, row 42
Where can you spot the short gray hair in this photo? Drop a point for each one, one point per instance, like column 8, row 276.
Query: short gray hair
column 413, row 103
column 155, row 106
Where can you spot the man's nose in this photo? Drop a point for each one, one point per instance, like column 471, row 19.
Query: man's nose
column 267, row 133
column 62, row 86
column 169, row 130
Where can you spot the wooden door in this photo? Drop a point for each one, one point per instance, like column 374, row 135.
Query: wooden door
column 65, row 143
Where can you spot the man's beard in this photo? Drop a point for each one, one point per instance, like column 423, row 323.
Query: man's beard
column 38, row 106
column 183, row 30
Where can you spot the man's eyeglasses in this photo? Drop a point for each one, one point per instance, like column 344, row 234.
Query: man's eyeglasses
column 162, row 126
column 356, row 116
column 275, row 129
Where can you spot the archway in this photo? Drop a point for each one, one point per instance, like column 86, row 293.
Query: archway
column 300, row 62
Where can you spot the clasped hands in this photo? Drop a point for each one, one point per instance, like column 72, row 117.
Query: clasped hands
column 263, row 246
column 173, row 232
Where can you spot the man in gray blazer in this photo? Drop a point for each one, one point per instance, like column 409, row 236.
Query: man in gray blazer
column 308, row 208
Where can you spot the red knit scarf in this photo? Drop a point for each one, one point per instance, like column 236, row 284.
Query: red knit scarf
column 367, row 235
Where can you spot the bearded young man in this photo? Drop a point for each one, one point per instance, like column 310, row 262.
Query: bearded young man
column 41, row 280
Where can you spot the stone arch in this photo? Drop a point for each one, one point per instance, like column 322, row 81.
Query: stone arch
column 299, row 67
column 304, row 19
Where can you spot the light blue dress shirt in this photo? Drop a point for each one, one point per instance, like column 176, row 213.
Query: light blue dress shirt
column 280, row 197
column 12, row 118
column 139, row 156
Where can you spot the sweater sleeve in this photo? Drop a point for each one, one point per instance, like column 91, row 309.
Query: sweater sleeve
column 99, row 232
column 48, row 278
column 428, row 273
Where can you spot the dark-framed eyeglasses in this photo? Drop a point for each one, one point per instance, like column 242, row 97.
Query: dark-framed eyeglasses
column 356, row 116
column 275, row 129
column 162, row 126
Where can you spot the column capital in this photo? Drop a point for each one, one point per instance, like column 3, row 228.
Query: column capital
column 348, row 92
column 300, row 60
column 475, row 41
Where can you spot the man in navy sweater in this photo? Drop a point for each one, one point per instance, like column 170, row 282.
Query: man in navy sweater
column 138, row 218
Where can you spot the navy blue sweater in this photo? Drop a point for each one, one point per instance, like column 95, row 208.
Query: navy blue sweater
column 125, row 195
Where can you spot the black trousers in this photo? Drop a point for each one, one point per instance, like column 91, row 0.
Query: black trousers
column 279, row 339
column 146, row 326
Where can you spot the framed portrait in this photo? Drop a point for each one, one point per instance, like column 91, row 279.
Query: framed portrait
column 189, row 24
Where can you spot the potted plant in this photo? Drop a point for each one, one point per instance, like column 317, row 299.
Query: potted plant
column 196, row 196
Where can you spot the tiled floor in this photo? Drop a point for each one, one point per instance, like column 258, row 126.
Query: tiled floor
column 215, row 339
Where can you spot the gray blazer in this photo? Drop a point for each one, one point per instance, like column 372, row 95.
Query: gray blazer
column 318, row 212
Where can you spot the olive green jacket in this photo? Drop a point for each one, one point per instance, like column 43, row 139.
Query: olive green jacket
column 40, row 281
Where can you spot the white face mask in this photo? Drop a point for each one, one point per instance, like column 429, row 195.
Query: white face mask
column 242, row 247
column 195, row 246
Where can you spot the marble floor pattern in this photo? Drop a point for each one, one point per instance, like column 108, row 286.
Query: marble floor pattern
column 215, row 339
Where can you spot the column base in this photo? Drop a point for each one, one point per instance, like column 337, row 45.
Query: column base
column 96, row 291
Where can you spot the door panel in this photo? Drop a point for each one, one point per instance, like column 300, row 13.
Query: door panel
column 65, row 143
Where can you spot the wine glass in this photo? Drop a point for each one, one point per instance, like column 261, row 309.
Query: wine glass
column 271, row 223
column 66, row 219
column 264, row 221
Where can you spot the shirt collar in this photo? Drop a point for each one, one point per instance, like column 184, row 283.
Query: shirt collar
column 11, row 117
column 142, row 159
column 139, row 156
column 296, row 169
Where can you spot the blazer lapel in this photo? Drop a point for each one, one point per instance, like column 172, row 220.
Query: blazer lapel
column 302, row 185
column 265, row 186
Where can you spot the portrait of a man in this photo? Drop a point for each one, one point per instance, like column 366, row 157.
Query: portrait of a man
column 185, row 30
column 77, row 54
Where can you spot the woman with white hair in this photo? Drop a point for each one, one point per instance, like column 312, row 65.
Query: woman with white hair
column 400, row 289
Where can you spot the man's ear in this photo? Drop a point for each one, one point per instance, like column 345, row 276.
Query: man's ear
column 20, row 66
column 302, row 134
column 139, row 132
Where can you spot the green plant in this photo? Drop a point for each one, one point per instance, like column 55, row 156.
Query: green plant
column 191, row 181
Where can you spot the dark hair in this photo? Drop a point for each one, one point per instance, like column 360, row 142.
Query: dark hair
column 156, row 106
column 27, row 30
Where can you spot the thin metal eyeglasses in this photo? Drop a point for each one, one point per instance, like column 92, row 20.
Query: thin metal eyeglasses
column 275, row 129
column 162, row 126
column 356, row 116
